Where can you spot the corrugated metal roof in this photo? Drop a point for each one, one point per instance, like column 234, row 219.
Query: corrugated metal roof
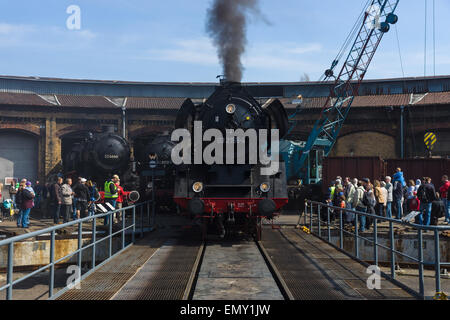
column 435, row 98
column 394, row 100
column 36, row 78
column 85, row 101
column 154, row 103
column 112, row 88
column 22, row 99
column 359, row 101
column 382, row 100
column 308, row 103
column 170, row 103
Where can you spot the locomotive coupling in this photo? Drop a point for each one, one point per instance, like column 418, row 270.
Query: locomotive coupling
column 266, row 207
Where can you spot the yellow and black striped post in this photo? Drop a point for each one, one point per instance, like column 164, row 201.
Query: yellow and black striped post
column 430, row 140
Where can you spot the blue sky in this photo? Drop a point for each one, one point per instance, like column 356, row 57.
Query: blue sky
column 149, row 40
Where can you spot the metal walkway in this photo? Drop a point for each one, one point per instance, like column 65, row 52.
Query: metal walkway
column 166, row 276
column 104, row 283
column 314, row 270
column 159, row 268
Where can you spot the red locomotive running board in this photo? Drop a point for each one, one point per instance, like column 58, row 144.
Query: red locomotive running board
column 220, row 205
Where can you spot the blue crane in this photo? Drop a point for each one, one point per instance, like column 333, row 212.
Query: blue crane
column 373, row 23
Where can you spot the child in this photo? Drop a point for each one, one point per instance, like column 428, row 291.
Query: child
column 342, row 202
column 414, row 205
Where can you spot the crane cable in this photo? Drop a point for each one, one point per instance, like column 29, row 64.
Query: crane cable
column 434, row 59
column 341, row 52
column 348, row 41
column 404, row 83
column 434, row 56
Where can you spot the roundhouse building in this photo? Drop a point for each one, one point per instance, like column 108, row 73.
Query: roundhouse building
column 41, row 117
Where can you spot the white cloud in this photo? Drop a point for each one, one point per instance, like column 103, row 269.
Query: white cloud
column 201, row 51
column 195, row 51
column 308, row 48
column 12, row 29
column 47, row 37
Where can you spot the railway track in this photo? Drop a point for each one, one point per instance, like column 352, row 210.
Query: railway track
column 240, row 270
column 183, row 269
column 285, row 265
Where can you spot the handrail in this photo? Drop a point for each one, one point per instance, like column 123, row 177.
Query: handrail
column 64, row 225
column 10, row 282
column 437, row 263
column 417, row 226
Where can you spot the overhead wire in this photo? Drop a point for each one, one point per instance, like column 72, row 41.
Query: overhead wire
column 425, row 43
column 410, row 116
column 434, row 37
column 399, row 51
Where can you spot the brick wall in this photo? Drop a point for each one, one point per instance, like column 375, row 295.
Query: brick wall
column 365, row 144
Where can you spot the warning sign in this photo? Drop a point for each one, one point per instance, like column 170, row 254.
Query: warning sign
column 430, row 140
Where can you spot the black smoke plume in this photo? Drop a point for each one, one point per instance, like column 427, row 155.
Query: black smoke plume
column 226, row 25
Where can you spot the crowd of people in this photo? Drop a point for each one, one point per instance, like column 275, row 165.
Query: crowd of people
column 23, row 196
column 392, row 198
column 66, row 200
column 75, row 201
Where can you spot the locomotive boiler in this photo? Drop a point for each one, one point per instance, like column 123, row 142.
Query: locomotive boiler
column 231, row 194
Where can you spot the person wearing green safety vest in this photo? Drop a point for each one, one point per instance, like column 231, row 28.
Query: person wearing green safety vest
column 332, row 190
column 111, row 193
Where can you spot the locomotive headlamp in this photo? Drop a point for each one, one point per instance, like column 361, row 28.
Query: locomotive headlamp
column 197, row 187
column 231, row 108
column 264, row 187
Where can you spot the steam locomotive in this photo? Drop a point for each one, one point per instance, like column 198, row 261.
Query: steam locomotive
column 235, row 197
column 100, row 155
column 162, row 178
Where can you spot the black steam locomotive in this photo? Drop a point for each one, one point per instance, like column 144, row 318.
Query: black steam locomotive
column 100, row 155
column 231, row 197
column 162, row 178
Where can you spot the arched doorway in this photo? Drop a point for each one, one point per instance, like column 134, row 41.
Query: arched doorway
column 18, row 155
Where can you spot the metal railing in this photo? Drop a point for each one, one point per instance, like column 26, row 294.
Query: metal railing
column 129, row 211
column 313, row 210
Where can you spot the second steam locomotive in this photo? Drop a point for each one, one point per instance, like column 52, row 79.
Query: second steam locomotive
column 100, row 155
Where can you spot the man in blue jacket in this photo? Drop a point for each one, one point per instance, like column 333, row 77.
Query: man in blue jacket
column 397, row 192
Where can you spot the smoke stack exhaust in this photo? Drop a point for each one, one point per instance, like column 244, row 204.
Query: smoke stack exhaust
column 226, row 25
